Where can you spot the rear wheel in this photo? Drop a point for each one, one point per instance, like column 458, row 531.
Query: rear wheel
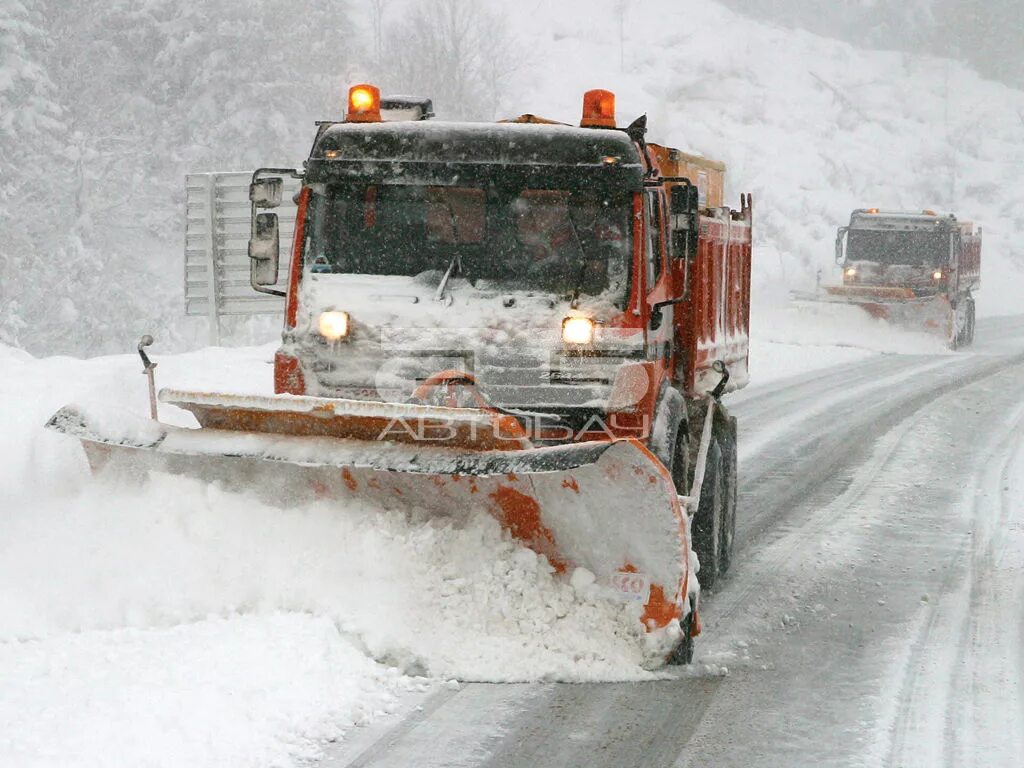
column 707, row 523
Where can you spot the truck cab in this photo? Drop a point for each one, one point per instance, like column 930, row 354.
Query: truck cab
column 560, row 268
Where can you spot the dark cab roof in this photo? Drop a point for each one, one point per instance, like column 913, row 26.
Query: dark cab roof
column 473, row 152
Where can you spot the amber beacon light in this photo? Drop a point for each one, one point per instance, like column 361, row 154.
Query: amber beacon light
column 598, row 109
column 363, row 104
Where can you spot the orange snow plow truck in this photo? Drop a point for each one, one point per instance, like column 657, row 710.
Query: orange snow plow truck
column 915, row 269
column 528, row 319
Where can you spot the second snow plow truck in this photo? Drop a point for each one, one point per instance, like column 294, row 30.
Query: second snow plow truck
column 915, row 269
column 528, row 319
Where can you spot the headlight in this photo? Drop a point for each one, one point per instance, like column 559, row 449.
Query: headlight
column 937, row 274
column 851, row 272
column 334, row 325
column 577, row 330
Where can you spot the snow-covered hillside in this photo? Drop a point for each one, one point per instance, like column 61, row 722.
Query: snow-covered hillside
column 811, row 126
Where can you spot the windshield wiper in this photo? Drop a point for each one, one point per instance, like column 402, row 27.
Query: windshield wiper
column 439, row 295
column 456, row 260
column 577, row 286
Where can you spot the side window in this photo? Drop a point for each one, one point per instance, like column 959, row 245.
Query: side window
column 652, row 216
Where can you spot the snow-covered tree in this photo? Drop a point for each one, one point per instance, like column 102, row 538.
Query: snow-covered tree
column 456, row 52
column 147, row 91
column 31, row 157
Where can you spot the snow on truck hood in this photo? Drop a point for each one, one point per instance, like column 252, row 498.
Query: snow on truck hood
column 383, row 301
column 507, row 338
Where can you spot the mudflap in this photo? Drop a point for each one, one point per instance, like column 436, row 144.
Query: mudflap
column 609, row 507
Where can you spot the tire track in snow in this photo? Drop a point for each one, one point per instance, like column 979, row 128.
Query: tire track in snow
column 769, row 561
column 732, row 616
column 990, row 640
column 811, row 450
column 840, row 391
column 945, row 710
column 786, row 395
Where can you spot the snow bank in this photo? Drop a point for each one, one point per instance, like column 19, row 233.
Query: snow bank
column 179, row 624
column 236, row 690
column 818, row 326
column 431, row 597
column 804, row 336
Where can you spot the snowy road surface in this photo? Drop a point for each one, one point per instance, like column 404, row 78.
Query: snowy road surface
column 874, row 614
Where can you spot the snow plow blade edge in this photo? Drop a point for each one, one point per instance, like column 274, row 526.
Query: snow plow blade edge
column 609, row 507
column 900, row 307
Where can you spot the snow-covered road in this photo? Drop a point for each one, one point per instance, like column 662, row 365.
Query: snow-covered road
column 873, row 616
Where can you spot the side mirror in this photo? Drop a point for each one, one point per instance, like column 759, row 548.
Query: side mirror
column 685, row 200
column 839, row 243
column 266, row 193
column 684, row 208
column 264, row 249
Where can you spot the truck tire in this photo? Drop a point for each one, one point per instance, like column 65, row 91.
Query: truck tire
column 680, row 467
column 707, row 523
column 730, row 465
column 670, row 440
column 957, row 336
column 683, row 652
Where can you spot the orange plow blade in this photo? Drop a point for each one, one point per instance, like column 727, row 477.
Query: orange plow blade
column 608, row 507
column 897, row 306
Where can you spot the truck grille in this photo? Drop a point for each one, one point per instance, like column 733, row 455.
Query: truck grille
column 512, row 379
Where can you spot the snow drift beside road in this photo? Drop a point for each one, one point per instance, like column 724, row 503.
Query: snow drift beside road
column 124, row 611
column 222, row 691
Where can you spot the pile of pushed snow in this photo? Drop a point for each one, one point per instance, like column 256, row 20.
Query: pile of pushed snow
column 817, row 325
column 806, row 336
column 233, row 690
column 443, row 598
column 246, row 633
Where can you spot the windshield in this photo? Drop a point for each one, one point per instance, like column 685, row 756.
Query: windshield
column 921, row 248
column 550, row 241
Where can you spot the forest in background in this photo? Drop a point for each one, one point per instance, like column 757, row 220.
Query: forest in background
column 105, row 106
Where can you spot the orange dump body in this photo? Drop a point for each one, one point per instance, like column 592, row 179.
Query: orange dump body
column 707, row 175
column 713, row 324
